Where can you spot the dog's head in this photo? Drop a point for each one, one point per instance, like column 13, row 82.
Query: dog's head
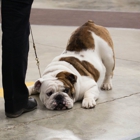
column 57, row 93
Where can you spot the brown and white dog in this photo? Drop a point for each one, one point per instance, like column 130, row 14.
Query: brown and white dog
column 73, row 75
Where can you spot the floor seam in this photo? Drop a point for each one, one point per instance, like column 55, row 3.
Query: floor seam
column 26, row 123
column 120, row 98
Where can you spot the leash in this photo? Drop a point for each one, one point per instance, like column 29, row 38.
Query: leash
column 36, row 57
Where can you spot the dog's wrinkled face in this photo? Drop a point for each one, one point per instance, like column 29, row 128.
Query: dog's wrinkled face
column 57, row 93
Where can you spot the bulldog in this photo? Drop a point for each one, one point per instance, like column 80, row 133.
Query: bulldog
column 74, row 74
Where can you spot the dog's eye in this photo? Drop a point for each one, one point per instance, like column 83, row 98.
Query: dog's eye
column 49, row 93
column 66, row 90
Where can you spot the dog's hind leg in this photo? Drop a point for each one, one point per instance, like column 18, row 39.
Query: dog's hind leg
column 109, row 63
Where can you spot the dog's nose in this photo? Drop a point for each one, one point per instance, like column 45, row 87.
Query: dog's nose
column 60, row 102
column 59, row 98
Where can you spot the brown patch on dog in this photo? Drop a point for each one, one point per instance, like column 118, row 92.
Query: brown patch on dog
column 82, row 38
column 83, row 67
column 68, row 79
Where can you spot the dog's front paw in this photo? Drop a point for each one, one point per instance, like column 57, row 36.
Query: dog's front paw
column 88, row 103
column 106, row 86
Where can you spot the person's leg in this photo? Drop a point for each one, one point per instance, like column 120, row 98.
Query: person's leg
column 15, row 47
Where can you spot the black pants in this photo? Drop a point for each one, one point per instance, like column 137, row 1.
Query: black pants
column 15, row 47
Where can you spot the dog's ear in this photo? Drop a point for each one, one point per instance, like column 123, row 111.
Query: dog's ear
column 66, row 75
column 37, row 84
column 71, row 77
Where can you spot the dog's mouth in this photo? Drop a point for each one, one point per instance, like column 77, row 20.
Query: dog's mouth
column 60, row 105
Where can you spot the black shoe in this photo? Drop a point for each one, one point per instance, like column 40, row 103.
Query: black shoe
column 31, row 105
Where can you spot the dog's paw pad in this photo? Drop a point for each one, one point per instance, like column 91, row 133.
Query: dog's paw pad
column 88, row 103
column 106, row 86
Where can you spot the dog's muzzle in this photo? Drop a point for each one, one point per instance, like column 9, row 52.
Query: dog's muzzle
column 60, row 103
